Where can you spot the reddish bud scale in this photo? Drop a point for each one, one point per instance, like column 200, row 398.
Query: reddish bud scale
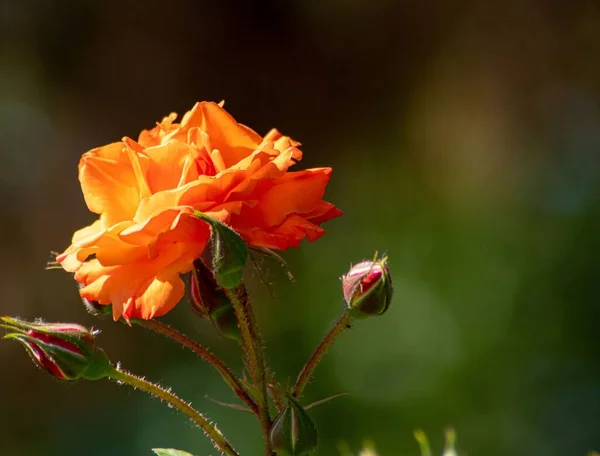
column 43, row 361
column 50, row 340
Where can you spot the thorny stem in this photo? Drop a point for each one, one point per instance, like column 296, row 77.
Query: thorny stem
column 202, row 352
column 307, row 371
column 158, row 391
column 273, row 390
column 252, row 345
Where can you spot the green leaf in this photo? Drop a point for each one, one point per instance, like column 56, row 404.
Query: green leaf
column 170, row 452
column 238, row 407
column 324, row 401
column 229, row 253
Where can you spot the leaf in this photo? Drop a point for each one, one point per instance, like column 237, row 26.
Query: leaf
column 170, row 452
column 324, row 401
column 252, row 390
column 229, row 253
column 264, row 251
column 241, row 408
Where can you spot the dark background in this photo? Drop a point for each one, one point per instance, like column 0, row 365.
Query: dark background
column 464, row 138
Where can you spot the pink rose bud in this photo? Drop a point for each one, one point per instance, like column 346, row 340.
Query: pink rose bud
column 65, row 350
column 368, row 288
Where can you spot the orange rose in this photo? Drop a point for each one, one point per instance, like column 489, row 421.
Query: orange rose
column 146, row 191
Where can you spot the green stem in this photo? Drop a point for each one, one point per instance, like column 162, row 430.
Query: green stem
column 202, row 352
column 307, row 371
column 158, row 391
column 252, row 345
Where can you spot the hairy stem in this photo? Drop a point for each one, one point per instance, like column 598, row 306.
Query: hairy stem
column 158, row 391
column 201, row 352
column 307, row 371
column 252, row 345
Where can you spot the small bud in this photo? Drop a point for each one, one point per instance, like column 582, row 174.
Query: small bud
column 368, row 288
column 65, row 350
column 209, row 301
column 293, row 432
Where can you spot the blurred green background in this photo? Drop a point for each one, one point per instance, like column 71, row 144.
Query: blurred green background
column 464, row 138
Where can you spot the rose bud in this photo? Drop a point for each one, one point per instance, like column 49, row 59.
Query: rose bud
column 209, row 301
column 293, row 432
column 65, row 350
column 368, row 288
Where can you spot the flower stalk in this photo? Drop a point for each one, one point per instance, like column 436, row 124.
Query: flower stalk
column 202, row 352
column 309, row 368
column 158, row 391
column 252, row 345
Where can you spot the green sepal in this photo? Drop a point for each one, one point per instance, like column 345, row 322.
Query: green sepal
column 226, row 322
column 170, row 452
column 100, row 366
column 229, row 253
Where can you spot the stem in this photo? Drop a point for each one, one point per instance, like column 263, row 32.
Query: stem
column 252, row 344
column 274, row 392
column 158, row 391
column 202, row 352
column 307, row 371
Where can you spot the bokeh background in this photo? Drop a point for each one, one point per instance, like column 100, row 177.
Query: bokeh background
column 464, row 138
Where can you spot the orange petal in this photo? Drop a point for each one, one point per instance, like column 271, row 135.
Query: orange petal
column 109, row 184
column 167, row 163
column 90, row 230
column 143, row 289
column 294, row 193
column 283, row 143
column 288, row 234
column 106, row 245
column 154, row 136
column 234, row 140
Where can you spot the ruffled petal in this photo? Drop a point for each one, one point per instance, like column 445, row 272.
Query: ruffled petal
column 142, row 289
column 234, row 140
column 167, row 163
column 294, row 193
column 109, row 183
column 281, row 237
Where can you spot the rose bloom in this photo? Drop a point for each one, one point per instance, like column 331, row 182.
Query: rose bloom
column 146, row 191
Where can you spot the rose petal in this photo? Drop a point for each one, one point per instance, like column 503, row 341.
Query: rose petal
column 142, row 289
column 109, row 183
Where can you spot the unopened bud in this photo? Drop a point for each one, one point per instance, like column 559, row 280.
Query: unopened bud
column 65, row 350
column 368, row 288
column 293, row 432
column 209, row 301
